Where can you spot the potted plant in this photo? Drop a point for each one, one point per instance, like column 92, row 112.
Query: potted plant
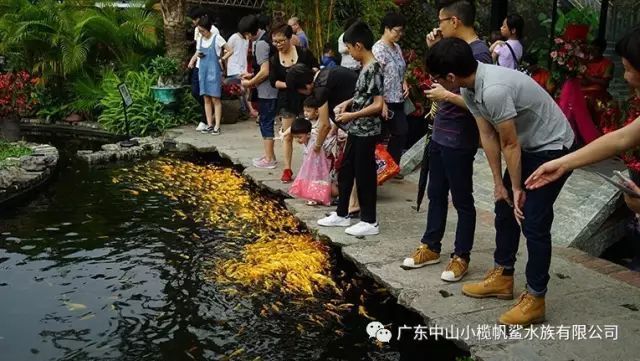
column 231, row 102
column 166, row 69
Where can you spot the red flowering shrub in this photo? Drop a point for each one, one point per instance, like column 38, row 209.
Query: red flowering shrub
column 613, row 118
column 418, row 81
column 231, row 91
column 18, row 93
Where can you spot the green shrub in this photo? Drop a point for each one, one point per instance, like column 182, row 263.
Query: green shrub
column 163, row 66
column 8, row 150
column 146, row 115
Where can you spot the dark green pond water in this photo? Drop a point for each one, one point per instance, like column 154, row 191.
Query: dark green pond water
column 89, row 272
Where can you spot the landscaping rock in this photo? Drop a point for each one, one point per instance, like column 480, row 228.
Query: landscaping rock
column 111, row 147
column 147, row 146
column 20, row 175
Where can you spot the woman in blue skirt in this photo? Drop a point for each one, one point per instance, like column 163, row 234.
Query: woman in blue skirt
column 210, row 61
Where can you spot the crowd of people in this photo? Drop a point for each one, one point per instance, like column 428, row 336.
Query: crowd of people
column 339, row 113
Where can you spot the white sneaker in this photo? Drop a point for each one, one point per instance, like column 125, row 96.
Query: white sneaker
column 201, row 126
column 363, row 229
column 334, row 220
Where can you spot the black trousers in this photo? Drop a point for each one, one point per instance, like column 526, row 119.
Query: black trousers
column 398, row 128
column 359, row 163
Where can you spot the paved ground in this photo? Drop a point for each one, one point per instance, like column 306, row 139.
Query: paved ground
column 583, row 290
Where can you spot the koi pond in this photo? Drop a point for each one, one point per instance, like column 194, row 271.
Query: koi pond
column 180, row 259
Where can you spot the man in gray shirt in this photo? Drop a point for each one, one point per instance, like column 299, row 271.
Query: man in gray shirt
column 517, row 118
column 267, row 94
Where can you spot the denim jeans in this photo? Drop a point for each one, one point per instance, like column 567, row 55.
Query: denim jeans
column 450, row 169
column 195, row 92
column 536, row 226
column 267, row 118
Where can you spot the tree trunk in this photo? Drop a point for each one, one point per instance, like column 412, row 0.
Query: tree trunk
column 173, row 15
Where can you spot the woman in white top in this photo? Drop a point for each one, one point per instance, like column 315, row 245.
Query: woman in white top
column 210, row 59
column 195, row 14
column 509, row 53
column 347, row 60
column 237, row 65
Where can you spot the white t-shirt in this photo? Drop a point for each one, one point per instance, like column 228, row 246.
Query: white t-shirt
column 237, row 63
column 206, row 43
column 197, row 35
column 347, row 60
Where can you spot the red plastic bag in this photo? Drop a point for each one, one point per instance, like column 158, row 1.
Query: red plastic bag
column 386, row 167
column 313, row 182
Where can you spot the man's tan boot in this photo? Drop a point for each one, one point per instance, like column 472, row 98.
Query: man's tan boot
column 528, row 310
column 495, row 284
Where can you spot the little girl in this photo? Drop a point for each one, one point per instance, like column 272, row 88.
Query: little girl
column 314, row 178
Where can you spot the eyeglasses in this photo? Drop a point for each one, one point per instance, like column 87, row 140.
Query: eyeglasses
column 399, row 31
column 445, row 19
column 277, row 42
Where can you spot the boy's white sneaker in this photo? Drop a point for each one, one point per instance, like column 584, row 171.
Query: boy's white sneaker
column 334, row 220
column 363, row 229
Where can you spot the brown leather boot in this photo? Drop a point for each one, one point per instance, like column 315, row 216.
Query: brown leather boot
column 495, row 284
column 528, row 310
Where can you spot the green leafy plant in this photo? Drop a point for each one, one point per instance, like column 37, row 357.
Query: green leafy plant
column 166, row 69
column 12, row 150
column 87, row 92
column 322, row 19
column 578, row 16
column 146, row 115
column 417, row 27
column 68, row 42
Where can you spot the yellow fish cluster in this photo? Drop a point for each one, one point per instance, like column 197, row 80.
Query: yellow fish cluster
column 282, row 257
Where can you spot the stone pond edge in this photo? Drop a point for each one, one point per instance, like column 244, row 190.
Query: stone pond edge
column 25, row 174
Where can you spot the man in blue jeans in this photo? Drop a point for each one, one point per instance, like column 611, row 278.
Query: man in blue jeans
column 519, row 119
column 453, row 147
column 267, row 95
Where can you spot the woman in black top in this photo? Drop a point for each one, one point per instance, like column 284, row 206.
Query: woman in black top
column 289, row 101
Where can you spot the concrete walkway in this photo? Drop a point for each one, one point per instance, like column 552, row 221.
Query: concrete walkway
column 583, row 292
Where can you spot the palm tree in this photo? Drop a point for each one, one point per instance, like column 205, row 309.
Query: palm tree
column 173, row 14
column 57, row 40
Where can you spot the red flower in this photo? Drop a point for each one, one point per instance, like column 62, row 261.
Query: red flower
column 17, row 91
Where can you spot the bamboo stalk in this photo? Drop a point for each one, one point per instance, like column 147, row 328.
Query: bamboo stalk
column 318, row 40
column 332, row 4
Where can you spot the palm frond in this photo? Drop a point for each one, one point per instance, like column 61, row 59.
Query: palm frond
column 74, row 54
column 142, row 26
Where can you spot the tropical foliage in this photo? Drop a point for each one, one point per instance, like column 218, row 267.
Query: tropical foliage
column 323, row 19
column 60, row 39
column 421, row 19
column 146, row 115
column 71, row 44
